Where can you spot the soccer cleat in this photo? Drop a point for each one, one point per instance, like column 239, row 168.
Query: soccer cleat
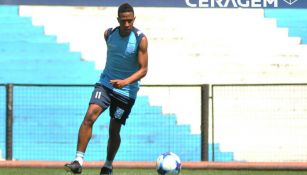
column 105, row 171
column 73, row 167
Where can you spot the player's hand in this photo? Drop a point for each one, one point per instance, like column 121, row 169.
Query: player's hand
column 118, row 83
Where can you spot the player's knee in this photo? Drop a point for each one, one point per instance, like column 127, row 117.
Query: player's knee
column 90, row 117
column 88, row 121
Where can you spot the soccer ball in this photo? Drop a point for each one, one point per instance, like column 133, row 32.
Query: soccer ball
column 168, row 163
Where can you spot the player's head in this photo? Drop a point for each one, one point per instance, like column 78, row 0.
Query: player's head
column 125, row 18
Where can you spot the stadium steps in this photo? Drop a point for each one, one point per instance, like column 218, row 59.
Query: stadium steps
column 178, row 36
column 294, row 19
column 92, row 45
column 72, row 56
column 181, row 133
column 34, row 47
column 8, row 10
column 29, row 55
column 24, row 37
column 258, row 39
column 48, row 65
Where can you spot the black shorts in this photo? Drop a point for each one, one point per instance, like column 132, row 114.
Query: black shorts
column 120, row 105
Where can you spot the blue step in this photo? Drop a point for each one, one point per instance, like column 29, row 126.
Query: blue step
column 6, row 10
column 142, row 100
column 219, row 156
column 61, row 56
column 12, row 37
column 295, row 23
column 30, row 30
column 47, row 65
column 42, row 77
column 15, row 21
column 298, row 31
column 48, row 80
column 44, row 72
column 294, row 19
column 41, row 72
column 286, row 13
column 20, row 47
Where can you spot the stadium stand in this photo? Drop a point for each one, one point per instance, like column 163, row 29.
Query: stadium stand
column 218, row 54
column 29, row 55
column 231, row 46
column 293, row 19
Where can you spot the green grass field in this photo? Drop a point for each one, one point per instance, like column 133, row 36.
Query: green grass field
column 50, row 171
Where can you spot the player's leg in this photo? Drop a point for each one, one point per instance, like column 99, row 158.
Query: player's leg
column 85, row 130
column 100, row 101
column 113, row 146
column 114, row 139
column 84, row 136
column 120, row 108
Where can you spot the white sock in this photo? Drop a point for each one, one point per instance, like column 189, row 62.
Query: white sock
column 108, row 164
column 80, row 157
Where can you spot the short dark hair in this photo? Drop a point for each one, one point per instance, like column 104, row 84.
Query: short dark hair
column 125, row 8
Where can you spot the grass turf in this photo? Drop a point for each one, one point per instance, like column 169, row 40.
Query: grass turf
column 51, row 171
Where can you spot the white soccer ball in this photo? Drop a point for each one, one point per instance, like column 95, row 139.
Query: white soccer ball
column 168, row 163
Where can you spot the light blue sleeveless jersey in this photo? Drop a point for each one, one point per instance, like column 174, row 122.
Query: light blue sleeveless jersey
column 122, row 60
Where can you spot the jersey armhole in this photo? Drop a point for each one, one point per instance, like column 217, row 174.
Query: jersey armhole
column 139, row 35
column 139, row 41
column 109, row 32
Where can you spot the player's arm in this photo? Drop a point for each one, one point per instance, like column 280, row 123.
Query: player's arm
column 143, row 63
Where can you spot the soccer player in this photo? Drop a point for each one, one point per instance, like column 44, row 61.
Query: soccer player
column 126, row 64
